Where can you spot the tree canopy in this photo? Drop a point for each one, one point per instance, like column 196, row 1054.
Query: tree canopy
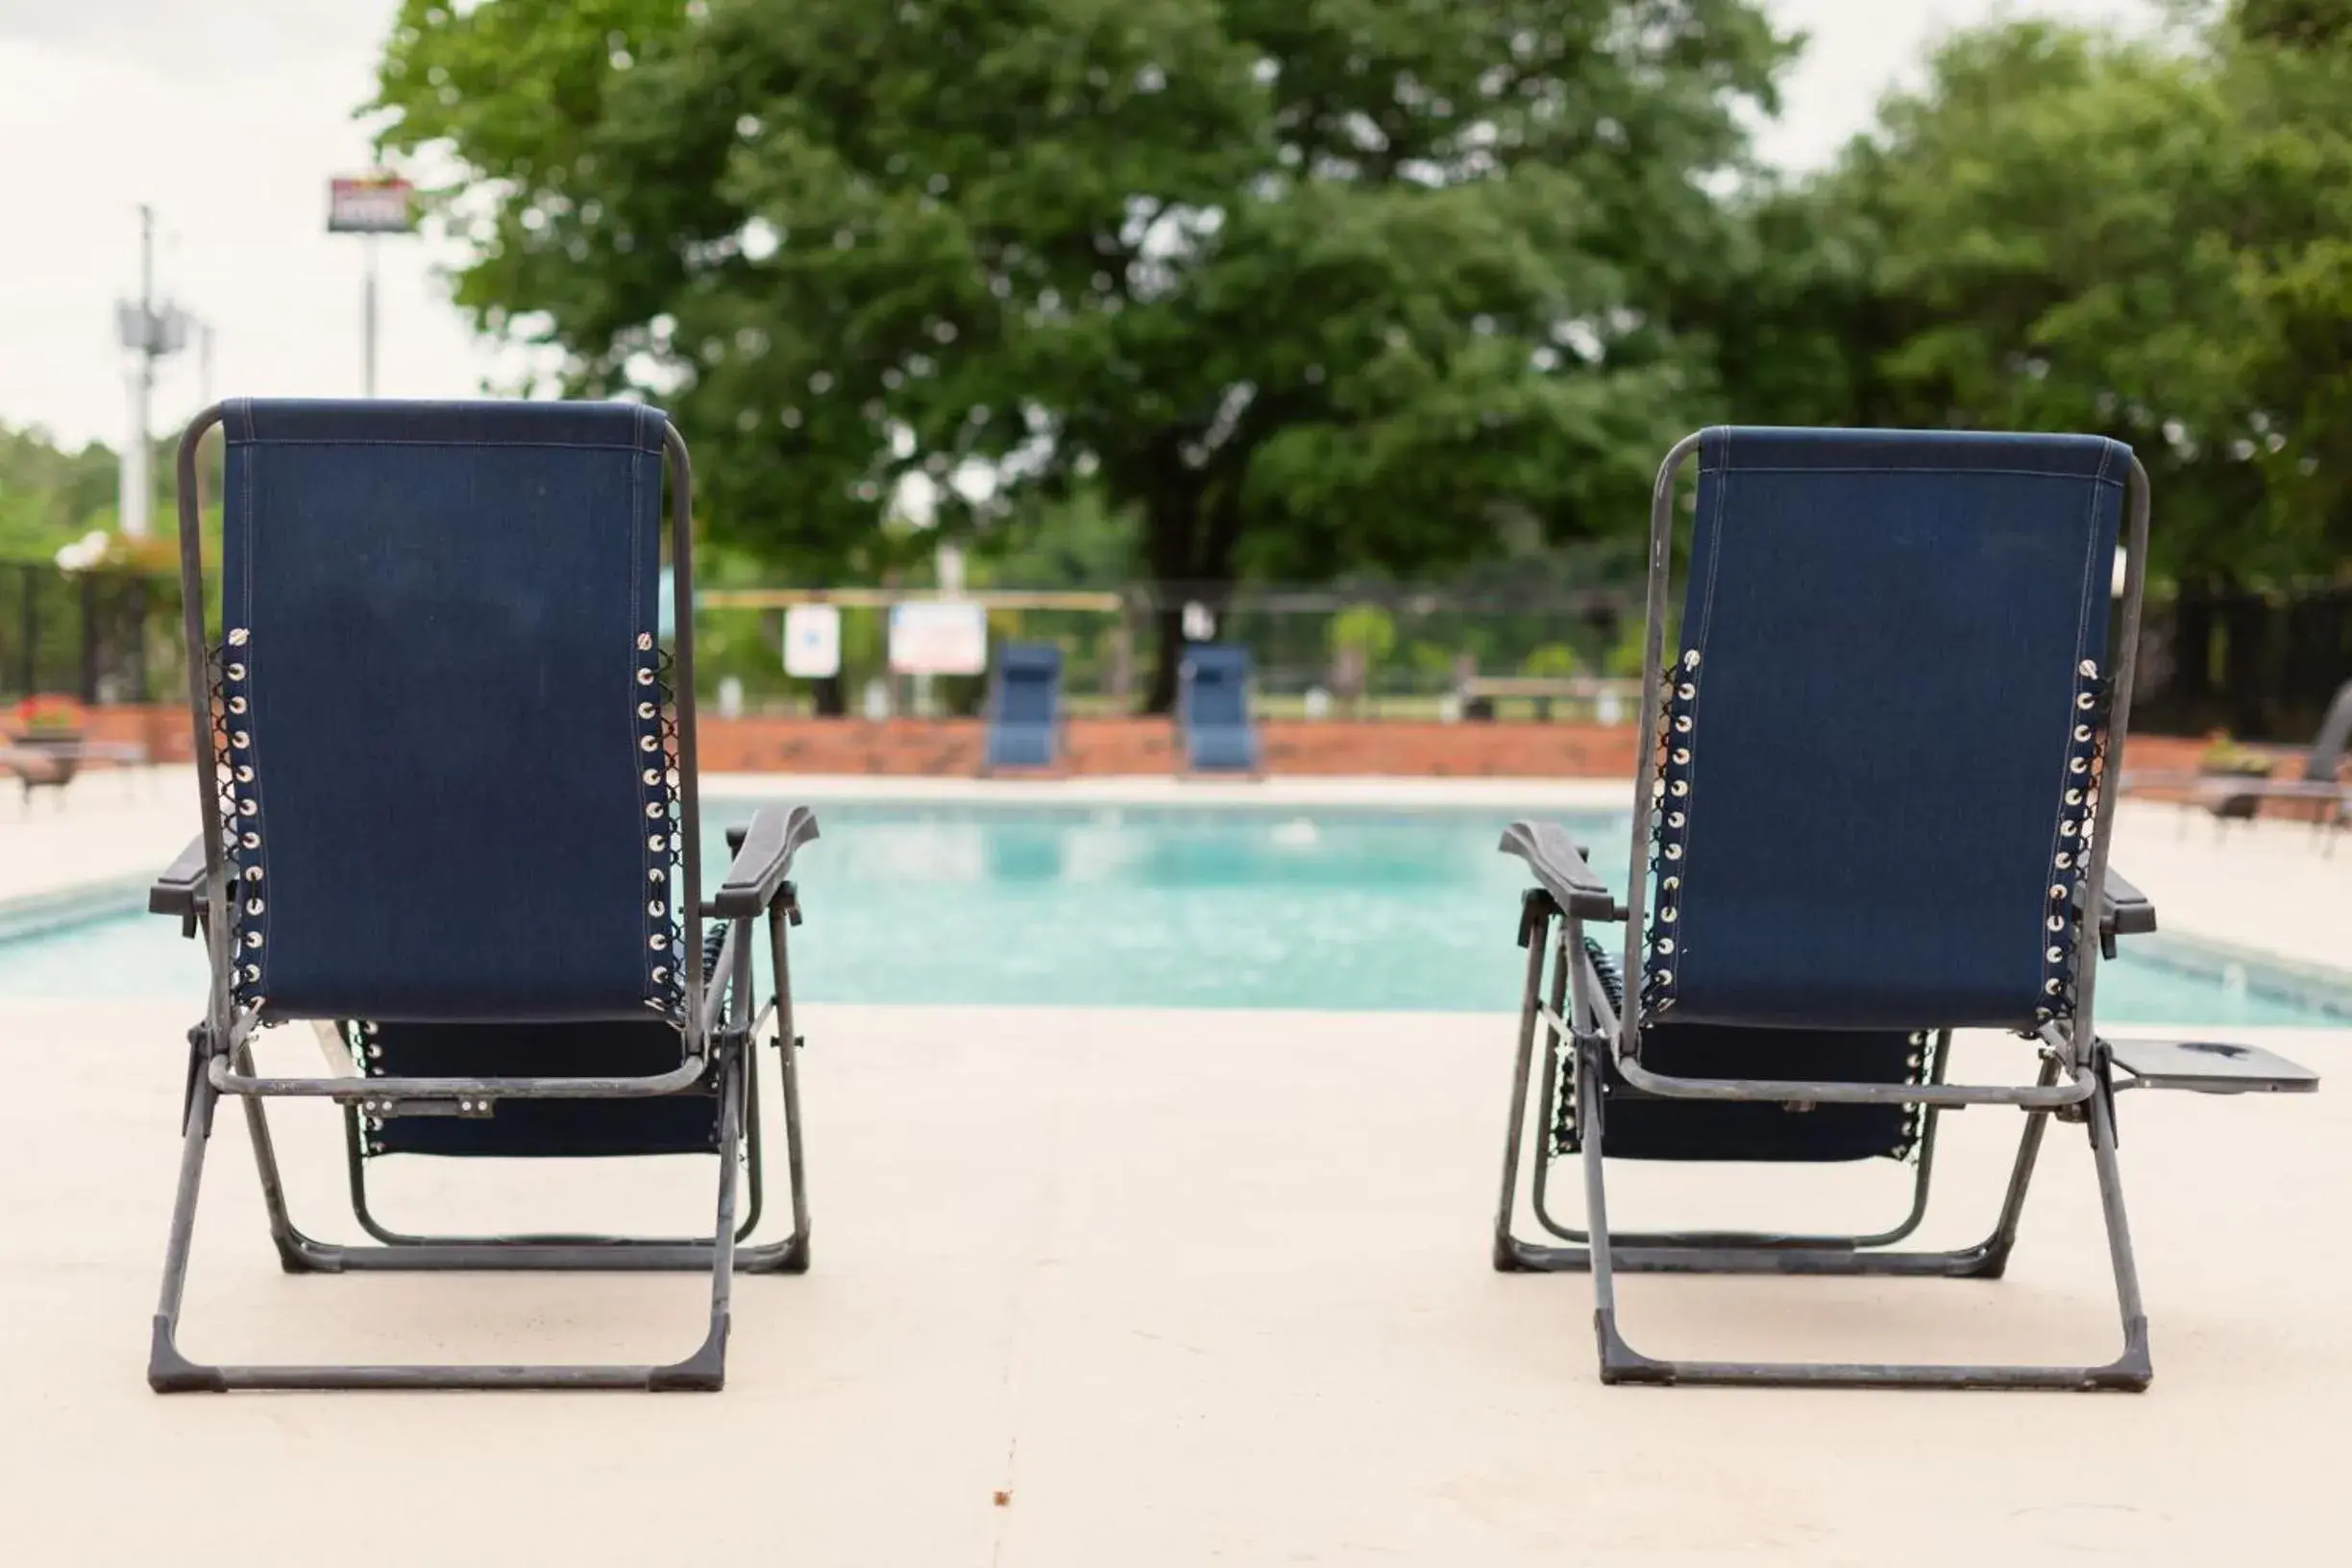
column 2069, row 230
column 1300, row 290
column 1302, row 286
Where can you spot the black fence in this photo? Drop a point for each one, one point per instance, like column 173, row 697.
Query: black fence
column 2261, row 666
column 100, row 636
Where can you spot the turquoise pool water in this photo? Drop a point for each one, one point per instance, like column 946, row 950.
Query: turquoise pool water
column 1154, row 906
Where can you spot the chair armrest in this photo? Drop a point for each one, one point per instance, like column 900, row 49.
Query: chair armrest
column 763, row 859
column 2124, row 911
column 1560, row 868
column 180, row 889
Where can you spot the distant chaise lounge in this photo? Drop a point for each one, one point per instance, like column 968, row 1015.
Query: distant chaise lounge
column 1024, row 711
column 1214, row 729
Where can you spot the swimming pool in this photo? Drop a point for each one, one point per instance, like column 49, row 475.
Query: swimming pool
column 1162, row 906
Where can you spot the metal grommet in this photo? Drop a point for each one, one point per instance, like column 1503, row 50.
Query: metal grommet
column 653, row 808
column 240, row 739
column 235, row 671
column 237, row 636
column 236, row 704
column 2053, row 986
column 1678, row 788
column 1686, row 690
column 647, row 710
column 2056, row 923
column 658, row 942
column 1670, row 884
column 653, row 841
column 1674, row 851
column 2086, row 701
column 253, row 938
column 1676, row 819
column 2064, row 860
column 644, row 677
column 660, row 975
column 655, row 908
column 2089, row 666
column 648, row 743
column 250, row 841
column 1681, row 757
column 1666, row 913
column 1690, row 659
column 2056, row 955
column 644, row 640
column 1682, row 724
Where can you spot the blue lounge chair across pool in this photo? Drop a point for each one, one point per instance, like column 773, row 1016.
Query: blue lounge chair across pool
column 1025, row 708
column 1874, row 809
column 1214, row 728
column 451, row 821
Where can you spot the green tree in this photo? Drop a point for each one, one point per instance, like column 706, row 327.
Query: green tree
column 1299, row 285
column 2063, row 229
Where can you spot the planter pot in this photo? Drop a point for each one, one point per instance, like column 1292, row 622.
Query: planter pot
column 48, row 759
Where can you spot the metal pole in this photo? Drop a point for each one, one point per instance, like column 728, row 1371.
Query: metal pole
column 367, row 320
column 136, row 492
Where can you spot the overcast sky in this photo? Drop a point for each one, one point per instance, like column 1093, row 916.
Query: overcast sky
column 229, row 115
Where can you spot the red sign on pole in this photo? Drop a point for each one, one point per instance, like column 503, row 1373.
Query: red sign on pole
column 371, row 204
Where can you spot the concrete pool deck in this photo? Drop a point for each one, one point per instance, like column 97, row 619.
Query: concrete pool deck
column 1182, row 1289
column 1178, row 1288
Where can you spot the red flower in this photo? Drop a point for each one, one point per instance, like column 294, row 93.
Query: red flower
column 48, row 713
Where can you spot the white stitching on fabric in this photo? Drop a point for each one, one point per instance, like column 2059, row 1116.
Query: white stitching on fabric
column 253, row 672
column 2047, row 968
column 1938, row 469
column 388, row 441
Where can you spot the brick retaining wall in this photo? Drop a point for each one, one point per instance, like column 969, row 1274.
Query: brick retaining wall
column 950, row 747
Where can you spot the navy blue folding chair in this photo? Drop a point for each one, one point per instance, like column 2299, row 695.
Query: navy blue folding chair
column 1024, row 712
column 1874, row 811
column 1214, row 729
column 446, row 778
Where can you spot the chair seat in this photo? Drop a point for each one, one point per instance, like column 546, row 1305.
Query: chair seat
column 686, row 1122
column 1641, row 1126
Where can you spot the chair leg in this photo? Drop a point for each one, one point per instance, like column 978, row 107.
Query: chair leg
column 1508, row 1250
column 169, row 1371
column 1619, row 1362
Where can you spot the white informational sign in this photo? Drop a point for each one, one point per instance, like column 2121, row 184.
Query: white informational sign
column 370, row 204
column 928, row 637
column 811, row 640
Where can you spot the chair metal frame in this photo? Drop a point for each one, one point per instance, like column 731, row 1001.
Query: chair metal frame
column 719, row 1030
column 2076, row 1083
